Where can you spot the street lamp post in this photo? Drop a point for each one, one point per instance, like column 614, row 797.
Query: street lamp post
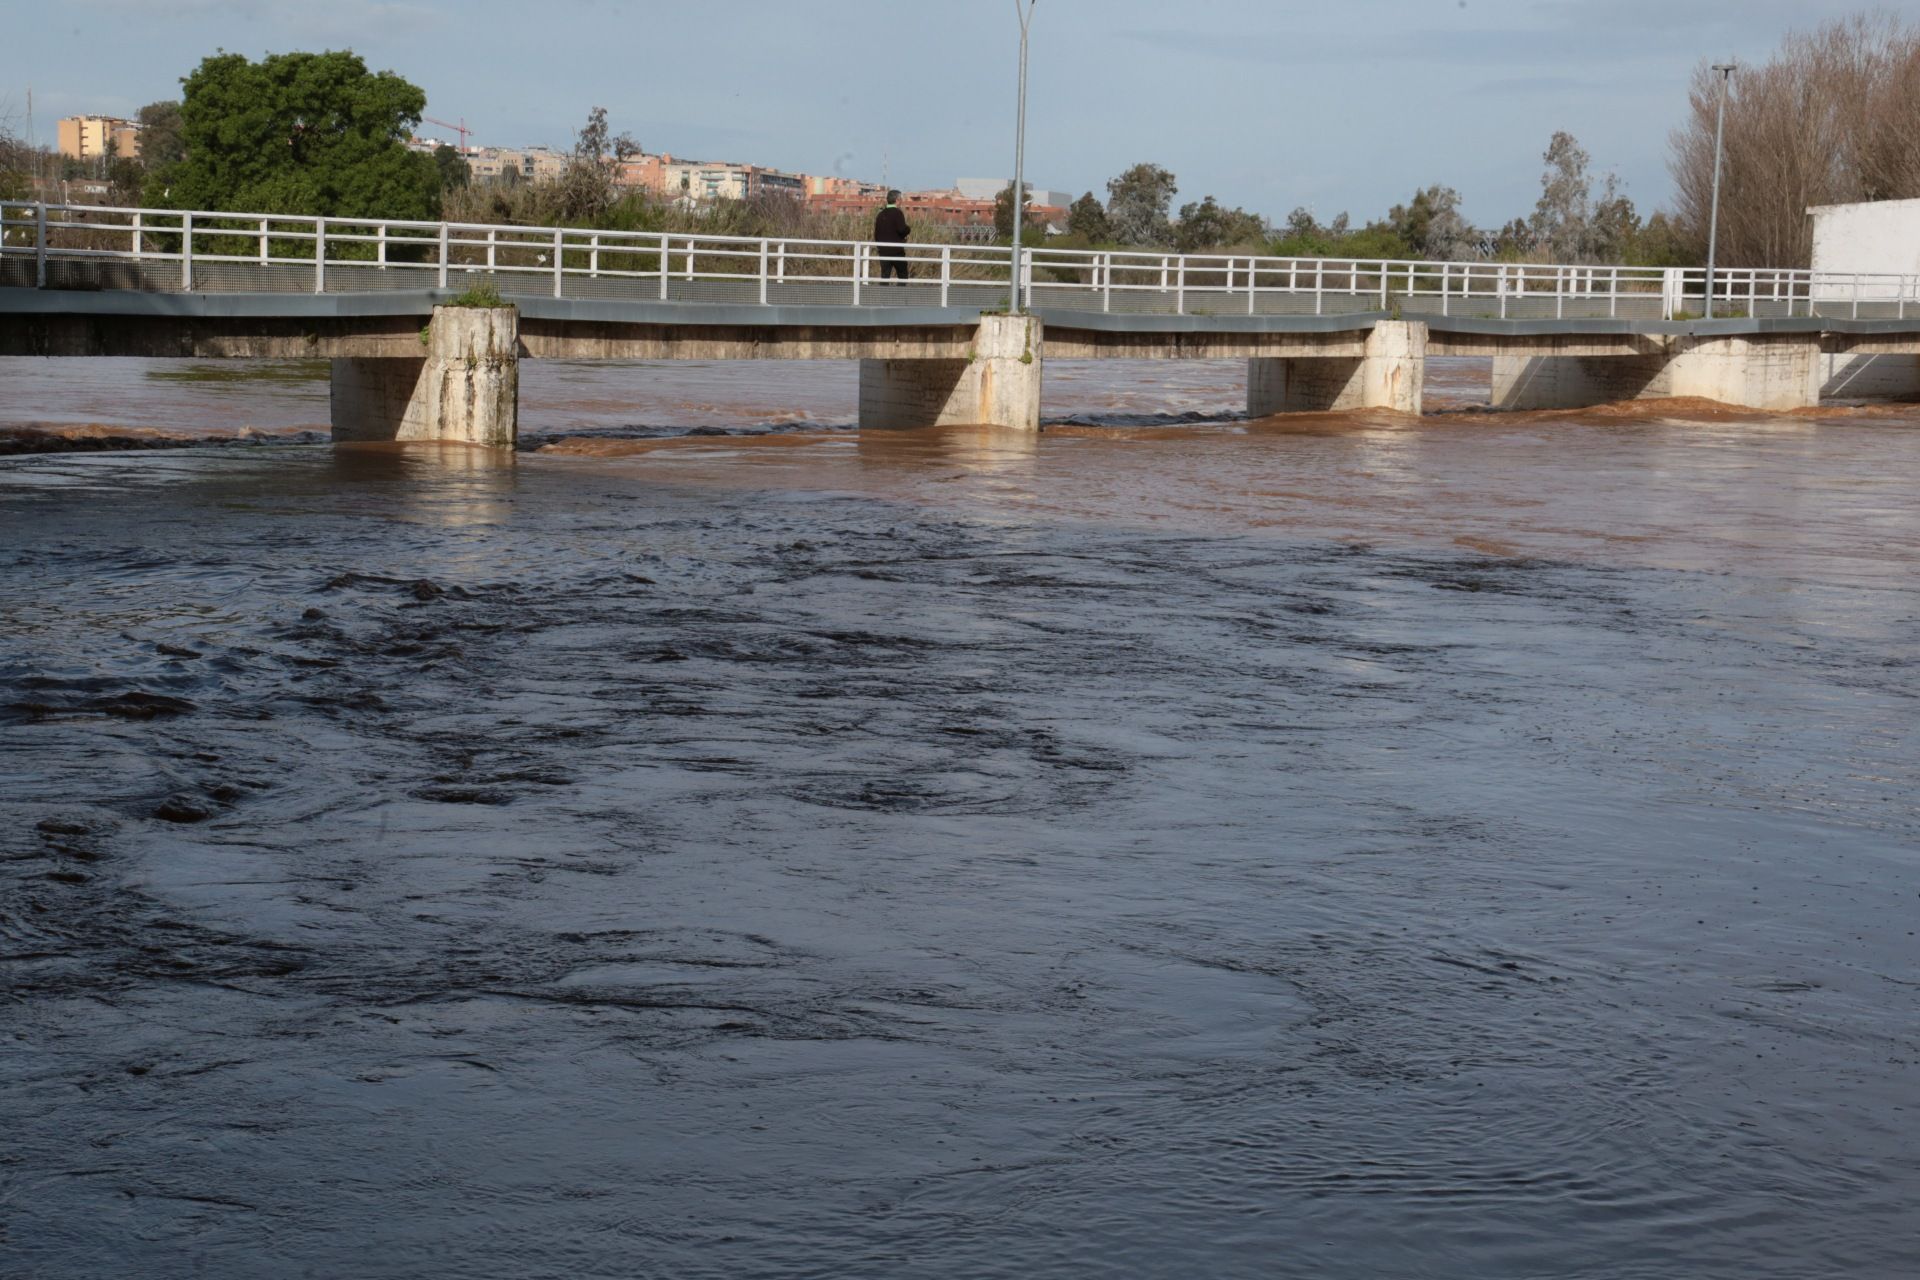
column 1019, row 155
column 1713, row 220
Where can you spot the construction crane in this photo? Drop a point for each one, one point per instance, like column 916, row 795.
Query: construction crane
column 460, row 129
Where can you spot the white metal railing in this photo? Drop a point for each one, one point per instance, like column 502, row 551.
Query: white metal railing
column 93, row 247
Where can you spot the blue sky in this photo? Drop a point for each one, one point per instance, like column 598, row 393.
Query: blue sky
column 1333, row 104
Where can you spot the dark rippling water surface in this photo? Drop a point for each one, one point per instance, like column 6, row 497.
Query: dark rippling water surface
column 1330, row 848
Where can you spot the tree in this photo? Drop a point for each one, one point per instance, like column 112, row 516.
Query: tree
column 587, row 183
column 1137, row 205
column 301, row 133
column 1003, row 211
column 1432, row 226
column 1087, row 218
column 1661, row 242
column 1829, row 119
column 1559, row 221
column 1209, row 225
column 126, row 178
column 453, row 169
column 16, row 165
column 163, row 142
column 1613, row 226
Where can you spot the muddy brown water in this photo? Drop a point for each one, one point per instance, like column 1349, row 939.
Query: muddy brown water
column 1326, row 847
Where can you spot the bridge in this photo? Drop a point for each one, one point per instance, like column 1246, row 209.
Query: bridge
column 392, row 305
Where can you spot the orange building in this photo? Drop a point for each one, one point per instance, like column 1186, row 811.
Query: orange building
column 92, row 137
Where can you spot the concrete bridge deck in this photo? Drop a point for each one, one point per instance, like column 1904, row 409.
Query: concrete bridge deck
column 1317, row 335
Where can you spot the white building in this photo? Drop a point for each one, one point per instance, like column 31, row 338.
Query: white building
column 988, row 188
column 1876, row 238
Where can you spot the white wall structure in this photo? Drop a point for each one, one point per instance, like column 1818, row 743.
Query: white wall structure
column 1872, row 237
column 1875, row 237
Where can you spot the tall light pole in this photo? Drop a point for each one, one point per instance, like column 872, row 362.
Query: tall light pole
column 1719, row 134
column 1019, row 154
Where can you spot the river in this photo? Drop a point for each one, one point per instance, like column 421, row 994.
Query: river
column 1330, row 846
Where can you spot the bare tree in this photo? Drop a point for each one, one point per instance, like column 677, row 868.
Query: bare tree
column 1834, row 117
column 586, row 187
column 16, row 159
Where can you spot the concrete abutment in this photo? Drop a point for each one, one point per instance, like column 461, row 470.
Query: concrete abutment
column 463, row 389
column 997, row 385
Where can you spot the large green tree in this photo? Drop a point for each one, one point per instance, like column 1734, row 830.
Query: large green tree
column 1208, row 224
column 1088, row 220
column 162, row 142
column 304, row 133
column 1137, row 205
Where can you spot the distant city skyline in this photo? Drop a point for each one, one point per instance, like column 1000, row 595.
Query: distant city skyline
column 1261, row 104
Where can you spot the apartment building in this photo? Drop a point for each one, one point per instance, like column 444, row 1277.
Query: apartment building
column 515, row 164
column 700, row 181
column 95, row 137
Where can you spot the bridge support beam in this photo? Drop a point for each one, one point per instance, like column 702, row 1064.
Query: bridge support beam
column 997, row 385
column 464, row 389
column 1772, row 371
column 1389, row 376
column 1870, row 375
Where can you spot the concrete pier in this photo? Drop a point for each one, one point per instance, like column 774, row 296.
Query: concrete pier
column 1755, row 371
column 998, row 384
column 464, row 388
column 1389, row 375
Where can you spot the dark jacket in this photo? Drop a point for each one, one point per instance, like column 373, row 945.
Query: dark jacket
column 890, row 226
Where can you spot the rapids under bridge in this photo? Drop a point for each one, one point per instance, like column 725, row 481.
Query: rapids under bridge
column 390, row 304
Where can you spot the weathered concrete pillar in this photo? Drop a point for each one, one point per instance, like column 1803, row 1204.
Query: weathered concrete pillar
column 998, row 386
column 1391, row 375
column 464, row 389
column 1757, row 371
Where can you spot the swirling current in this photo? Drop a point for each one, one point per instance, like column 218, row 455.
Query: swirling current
column 1323, row 847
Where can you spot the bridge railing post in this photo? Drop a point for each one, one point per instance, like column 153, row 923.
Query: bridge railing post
column 765, row 249
column 137, row 245
column 263, row 240
column 40, row 246
column 319, row 255
column 1319, row 285
column 1446, row 275
column 1180, row 286
column 1253, row 268
column 593, row 256
column 666, row 259
column 443, row 255
column 186, row 252
column 559, row 262
column 1106, row 282
column 859, row 270
column 946, row 273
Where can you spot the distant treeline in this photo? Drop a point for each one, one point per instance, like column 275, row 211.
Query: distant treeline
column 1832, row 117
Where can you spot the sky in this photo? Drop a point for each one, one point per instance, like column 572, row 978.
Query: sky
column 1336, row 105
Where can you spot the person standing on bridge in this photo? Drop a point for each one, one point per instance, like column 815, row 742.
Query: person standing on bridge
column 890, row 229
